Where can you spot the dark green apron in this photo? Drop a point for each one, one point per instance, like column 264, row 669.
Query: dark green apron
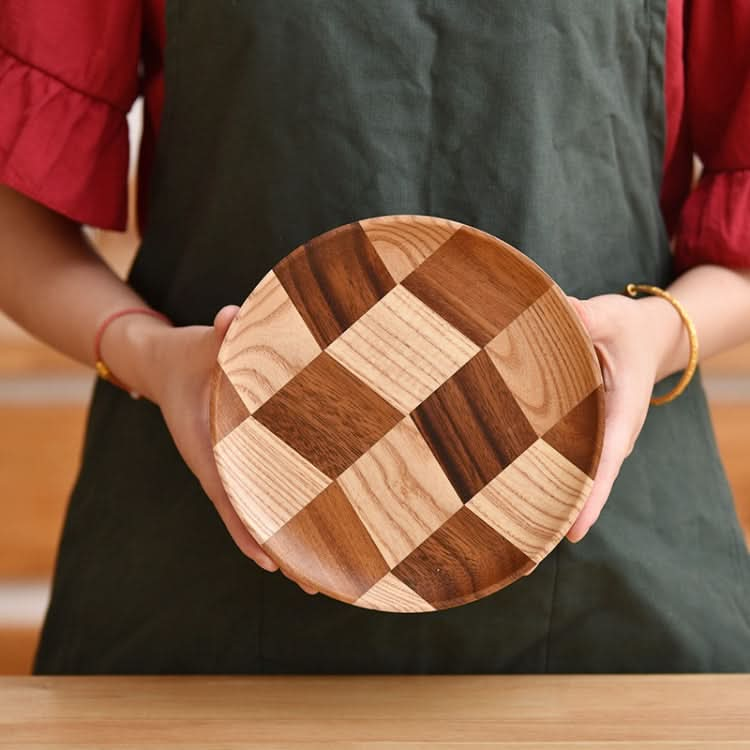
column 538, row 121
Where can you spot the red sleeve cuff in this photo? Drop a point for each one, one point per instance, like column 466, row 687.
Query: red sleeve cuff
column 714, row 224
column 62, row 148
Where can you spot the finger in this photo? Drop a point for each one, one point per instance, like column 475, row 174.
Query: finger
column 592, row 322
column 616, row 446
column 595, row 316
column 215, row 490
column 213, row 487
column 580, row 309
column 205, row 468
column 304, row 586
column 241, row 536
column 224, row 319
column 609, row 467
column 202, row 463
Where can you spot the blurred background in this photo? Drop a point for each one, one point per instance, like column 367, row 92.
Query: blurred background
column 43, row 398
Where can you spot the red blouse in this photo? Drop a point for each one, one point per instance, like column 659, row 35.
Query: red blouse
column 69, row 73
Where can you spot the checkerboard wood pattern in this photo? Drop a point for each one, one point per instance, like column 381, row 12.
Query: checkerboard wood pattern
column 407, row 414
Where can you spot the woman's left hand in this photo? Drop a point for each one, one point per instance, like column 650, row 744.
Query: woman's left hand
column 627, row 345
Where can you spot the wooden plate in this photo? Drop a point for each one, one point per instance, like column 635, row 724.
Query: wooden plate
column 407, row 413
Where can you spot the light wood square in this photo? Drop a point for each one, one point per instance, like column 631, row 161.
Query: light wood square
column 391, row 595
column 546, row 360
column 534, row 501
column 267, row 481
column 267, row 344
column 402, row 349
column 400, row 492
column 405, row 242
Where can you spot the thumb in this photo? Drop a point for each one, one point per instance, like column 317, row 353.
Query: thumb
column 223, row 320
column 592, row 313
column 591, row 316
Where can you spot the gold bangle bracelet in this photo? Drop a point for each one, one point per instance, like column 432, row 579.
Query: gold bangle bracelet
column 633, row 290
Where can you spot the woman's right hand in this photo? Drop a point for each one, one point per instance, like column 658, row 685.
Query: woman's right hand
column 178, row 378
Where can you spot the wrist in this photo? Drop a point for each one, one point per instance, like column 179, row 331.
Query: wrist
column 664, row 336
column 130, row 346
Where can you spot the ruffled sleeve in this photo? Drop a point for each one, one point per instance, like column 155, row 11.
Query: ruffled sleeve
column 712, row 223
column 68, row 76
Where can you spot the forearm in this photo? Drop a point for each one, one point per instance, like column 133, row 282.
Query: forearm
column 55, row 285
column 718, row 302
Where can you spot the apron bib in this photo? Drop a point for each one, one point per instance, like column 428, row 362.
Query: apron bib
column 540, row 122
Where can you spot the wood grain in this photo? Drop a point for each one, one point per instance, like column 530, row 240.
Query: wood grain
column 402, row 349
column 391, row 595
column 17, row 648
column 534, row 501
column 266, row 480
column 328, row 415
column 40, row 448
column 474, row 426
column 571, row 435
column 386, row 388
column 331, row 294
column 267, row 344
column 327, row 547
column 377, row 712
column 475, row 287
column 462, row 561
column 227, row 408
column 405, row 242
column 399, row 492
column 542, row 361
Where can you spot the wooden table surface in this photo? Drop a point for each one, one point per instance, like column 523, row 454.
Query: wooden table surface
column 417, row 713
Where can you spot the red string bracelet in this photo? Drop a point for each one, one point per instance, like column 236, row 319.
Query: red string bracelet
column 101, row 368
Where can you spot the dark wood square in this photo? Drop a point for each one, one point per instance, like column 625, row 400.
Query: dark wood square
column 475, row 285
column 463, row 560
column 474, row 426
column 328, row 415
column 326, row 545
column 571, row 435
column 333, row 292
column 231, row 409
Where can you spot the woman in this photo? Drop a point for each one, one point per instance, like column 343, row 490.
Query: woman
column 540, row 122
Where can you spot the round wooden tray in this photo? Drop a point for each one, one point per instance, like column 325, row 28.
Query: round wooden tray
column 407, row 413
